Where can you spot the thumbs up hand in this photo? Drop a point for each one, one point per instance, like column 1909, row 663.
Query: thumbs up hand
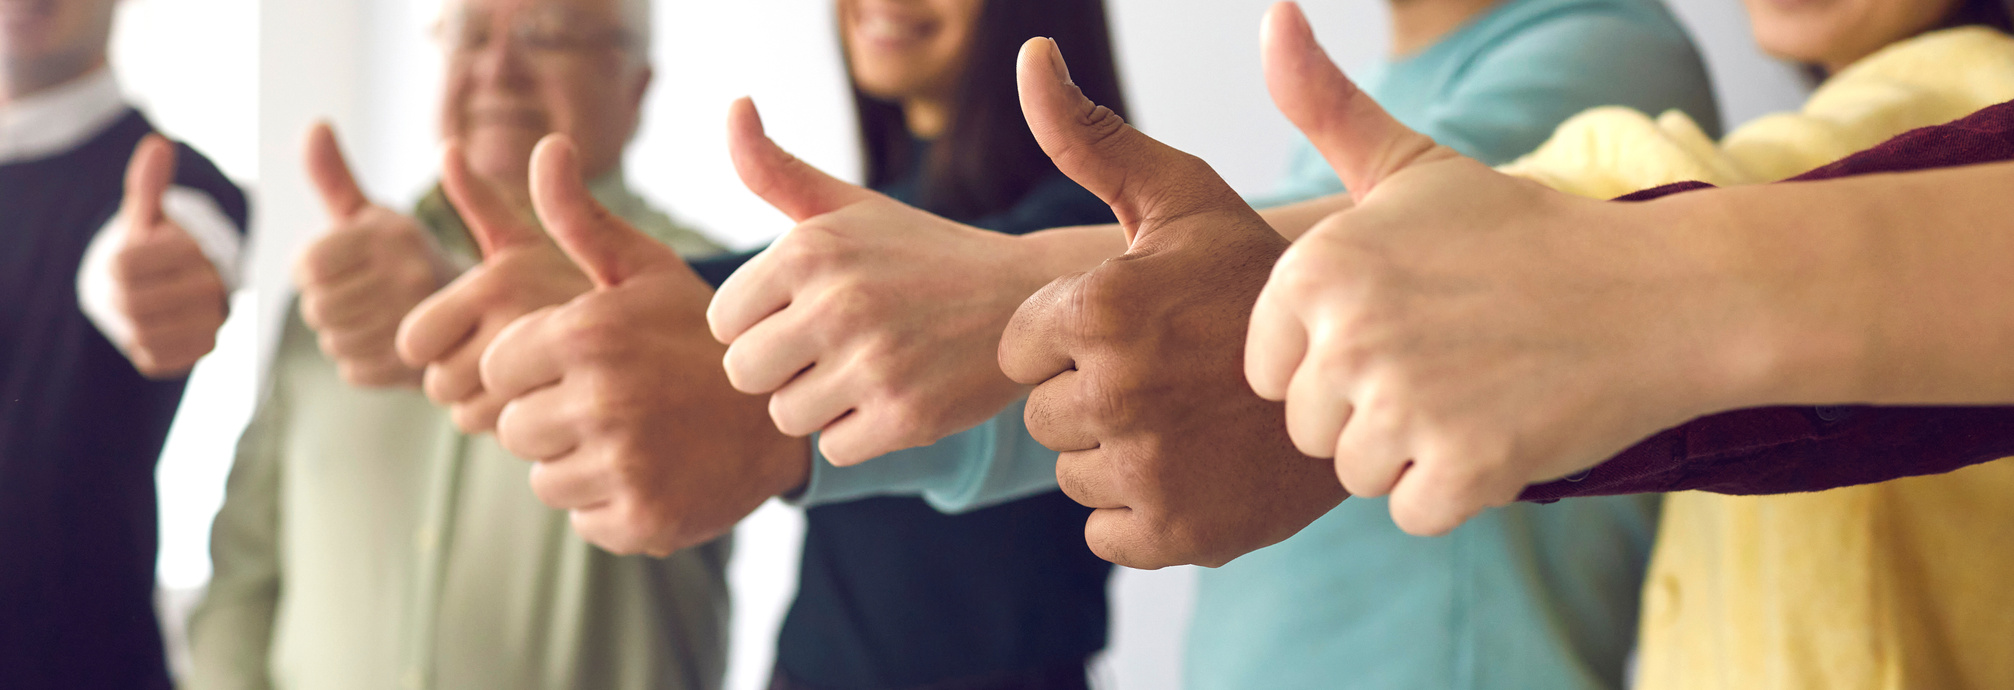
column 618, row 395
column 1138, row 364
column 521, row 272
column 161, row 279
column 872, row 321
column 1459, row 334
column 361, row 276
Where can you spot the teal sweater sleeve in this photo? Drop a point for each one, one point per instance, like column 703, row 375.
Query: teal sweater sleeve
column 986, row 465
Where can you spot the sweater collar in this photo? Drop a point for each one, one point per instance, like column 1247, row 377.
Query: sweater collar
column 60, row 119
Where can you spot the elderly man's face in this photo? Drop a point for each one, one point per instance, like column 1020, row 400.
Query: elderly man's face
column 35, row 33
column 521, row 69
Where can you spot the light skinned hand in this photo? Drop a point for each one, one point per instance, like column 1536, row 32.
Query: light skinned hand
column 162, row 282
column 1139, row 363
column 1459, row 334
column 362, row 275
column 871, row 321
column 618, row 395
column 522, row 271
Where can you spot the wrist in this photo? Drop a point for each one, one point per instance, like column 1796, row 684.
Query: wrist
column 1783, row 310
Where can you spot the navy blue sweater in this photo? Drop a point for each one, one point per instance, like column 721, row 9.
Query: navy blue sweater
column 80, row 432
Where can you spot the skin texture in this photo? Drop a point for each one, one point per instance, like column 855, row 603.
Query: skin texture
column 368, row 272
column 361, row 275
column 161, row 280
column 911, row 51
column 502, row 95
column 45, row 43
column 616, row 395
column 1836, row 33
column 1402, row 358
column 1138, row 363
column 870, row 321
column 521, row 272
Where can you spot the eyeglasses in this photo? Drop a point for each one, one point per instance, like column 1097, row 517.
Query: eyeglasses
column 543, row 31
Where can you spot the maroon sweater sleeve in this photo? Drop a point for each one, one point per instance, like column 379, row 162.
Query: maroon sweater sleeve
column 1791, row 449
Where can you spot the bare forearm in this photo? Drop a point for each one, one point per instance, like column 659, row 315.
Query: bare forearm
column 1886, row 289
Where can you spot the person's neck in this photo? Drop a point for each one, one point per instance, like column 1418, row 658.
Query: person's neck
column 1417, row 24
column 19, row 81
column 926, row 117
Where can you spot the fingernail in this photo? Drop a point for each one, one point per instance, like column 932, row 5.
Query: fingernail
column 1056, row 62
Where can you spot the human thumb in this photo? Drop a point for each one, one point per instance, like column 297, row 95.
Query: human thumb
column 605, row 247
column 1362, row 142
column 148, row 175
column 330, row 173
column 1137, row 176
column 791, row 185
column 490, row 220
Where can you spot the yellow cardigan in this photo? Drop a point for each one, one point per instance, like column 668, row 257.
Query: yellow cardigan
column 1907, row 584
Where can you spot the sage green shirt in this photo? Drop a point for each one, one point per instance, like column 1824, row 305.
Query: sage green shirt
column 365, row 543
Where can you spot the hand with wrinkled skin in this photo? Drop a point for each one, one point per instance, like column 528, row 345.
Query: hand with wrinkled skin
column 1139, row 362
column 363, row 275
column 618, row 395
column 1458, row 333
column 521, row 272
column 872, row 322
column 162, row 282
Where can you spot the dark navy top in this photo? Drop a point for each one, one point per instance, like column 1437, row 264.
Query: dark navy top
column 895, row 595
column 80, row 432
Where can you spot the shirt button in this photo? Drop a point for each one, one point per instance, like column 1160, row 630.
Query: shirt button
column 426, row 540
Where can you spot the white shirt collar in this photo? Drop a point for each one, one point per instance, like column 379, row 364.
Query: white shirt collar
column 60, row 119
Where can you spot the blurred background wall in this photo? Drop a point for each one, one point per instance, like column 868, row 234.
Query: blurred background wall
column 242, row 79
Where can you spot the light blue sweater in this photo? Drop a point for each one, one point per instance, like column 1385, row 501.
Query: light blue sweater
column 1528, row 596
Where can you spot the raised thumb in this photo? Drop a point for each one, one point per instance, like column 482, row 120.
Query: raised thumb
column 607, row 248
column 148, row 175
column 1362, row 142
column 1137, row 176
column 787, row 183
column 330, row 173
column 490, row 220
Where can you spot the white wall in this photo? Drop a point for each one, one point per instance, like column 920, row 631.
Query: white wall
column 1193, row 79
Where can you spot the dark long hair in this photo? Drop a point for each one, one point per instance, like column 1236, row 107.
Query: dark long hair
column 986, row 159
column 1992, row 14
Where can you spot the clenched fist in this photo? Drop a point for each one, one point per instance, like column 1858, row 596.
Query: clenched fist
column 1459, row 334
column 871, row 322
column 1139, row 363
column 618, row 395
column 521, row 272
column 362, row 276
column 162, row 282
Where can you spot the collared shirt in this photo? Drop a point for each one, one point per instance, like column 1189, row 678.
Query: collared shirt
column 62, row 118
column 365, row 543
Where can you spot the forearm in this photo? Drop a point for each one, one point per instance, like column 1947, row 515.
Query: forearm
column 1883, row 289
column 986, row 465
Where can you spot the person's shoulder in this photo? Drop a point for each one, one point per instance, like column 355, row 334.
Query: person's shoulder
column 1587, row 30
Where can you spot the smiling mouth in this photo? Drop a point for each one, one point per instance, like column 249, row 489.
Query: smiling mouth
column 510, row 118
column 891, row 30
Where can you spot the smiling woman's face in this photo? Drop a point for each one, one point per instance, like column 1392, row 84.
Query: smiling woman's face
column 1835, row 33
column 904, row 49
